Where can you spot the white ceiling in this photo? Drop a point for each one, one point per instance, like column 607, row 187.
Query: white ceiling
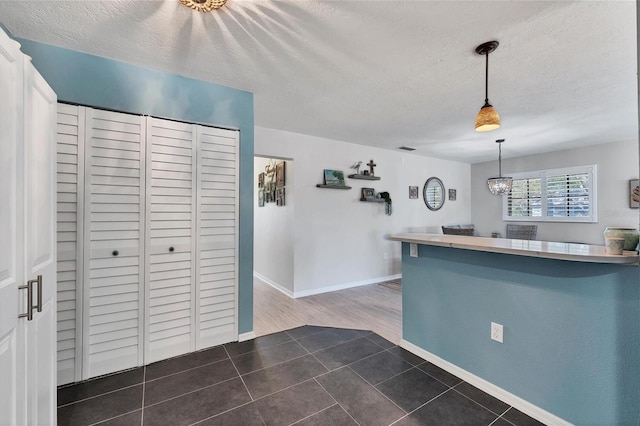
column 382, row 73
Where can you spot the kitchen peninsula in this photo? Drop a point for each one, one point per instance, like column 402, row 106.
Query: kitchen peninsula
column 570, row 315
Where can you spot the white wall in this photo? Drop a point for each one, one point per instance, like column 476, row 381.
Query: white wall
column 339, row 241
column 617, row 163
column 273, row 232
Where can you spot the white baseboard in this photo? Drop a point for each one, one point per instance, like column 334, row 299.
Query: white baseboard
column 493, row 390
column 273, row 284
column 305, row 293
column 344, row 286
column 246, row 336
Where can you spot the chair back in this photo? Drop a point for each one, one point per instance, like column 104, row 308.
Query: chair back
column 521, row 232
column 450, row 230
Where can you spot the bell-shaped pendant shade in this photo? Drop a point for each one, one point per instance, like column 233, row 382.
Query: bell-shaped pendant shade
column 487, row 119
column 499, row 185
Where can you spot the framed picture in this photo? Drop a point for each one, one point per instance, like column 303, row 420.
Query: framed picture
column 452, row 194
column 280, row 178
column 413, row 192
column 261, row 197
column 261, row 180
column 368, row 194
column 634, row 193
column 280, row 196
column 334, row 177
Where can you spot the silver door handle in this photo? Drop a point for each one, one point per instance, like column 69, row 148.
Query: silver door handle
column 39, row 281
column 29, row 314
column 29, row 288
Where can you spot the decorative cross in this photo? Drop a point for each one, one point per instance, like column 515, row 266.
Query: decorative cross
column 371, row 165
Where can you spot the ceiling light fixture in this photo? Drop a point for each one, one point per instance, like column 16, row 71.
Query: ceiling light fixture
column 499, row 185
column 488, row 118
column 204, row 5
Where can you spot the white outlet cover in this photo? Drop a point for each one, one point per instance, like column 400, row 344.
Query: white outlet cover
column 497, row 332
column 413, row 250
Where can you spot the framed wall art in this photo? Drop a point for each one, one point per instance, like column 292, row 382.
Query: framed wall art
column 413, row 192
column 333, row 177
column 634, row 193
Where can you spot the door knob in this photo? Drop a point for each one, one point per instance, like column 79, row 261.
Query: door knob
column 29, row 314
column 171, row 249
column 115, row 252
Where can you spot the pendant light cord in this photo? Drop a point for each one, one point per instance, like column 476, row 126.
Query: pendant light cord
column 486, row 81
column 500, row 159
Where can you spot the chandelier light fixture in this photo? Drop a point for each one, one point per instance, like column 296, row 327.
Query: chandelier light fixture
column 500, row 185
column 488, row 118
column 204, row 5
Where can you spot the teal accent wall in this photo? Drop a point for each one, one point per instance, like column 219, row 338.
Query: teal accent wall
column 571, row 329
column 90, row 80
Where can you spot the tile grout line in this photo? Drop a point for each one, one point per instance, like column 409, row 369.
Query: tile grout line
column 377, row 390
column 144, row 386
column 99, row 395
column 473, row 400
column 111, row 418
column 240, row 376
column 313, row 414
column 329, row 393
column 419, row 407
column 192, row 391
column 188, row 369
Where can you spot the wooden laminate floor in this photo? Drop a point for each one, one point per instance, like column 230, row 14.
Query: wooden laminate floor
column 372, row 307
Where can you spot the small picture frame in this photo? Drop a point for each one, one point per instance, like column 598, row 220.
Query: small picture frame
column 261, row 180
column 452, row 194
column 413, row 192
column 368, row 194
column 333, row 177
column 280, row 174
column 260, row 197
column 634, row 193
column 280, row 196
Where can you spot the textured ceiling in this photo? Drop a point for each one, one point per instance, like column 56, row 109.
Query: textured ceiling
column 382, row 73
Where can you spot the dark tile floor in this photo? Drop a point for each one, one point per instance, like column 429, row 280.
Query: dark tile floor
column 304, row 376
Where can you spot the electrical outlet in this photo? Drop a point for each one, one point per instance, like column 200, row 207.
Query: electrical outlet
column 413, row 250
column 496, row 332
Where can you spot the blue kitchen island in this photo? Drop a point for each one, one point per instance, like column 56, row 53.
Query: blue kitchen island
column 570, row 315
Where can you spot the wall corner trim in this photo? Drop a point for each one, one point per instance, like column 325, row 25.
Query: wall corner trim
column 273, row 284
column 488, row 387
column 243, row 337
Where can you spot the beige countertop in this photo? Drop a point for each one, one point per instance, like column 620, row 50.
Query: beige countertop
column 533, row 248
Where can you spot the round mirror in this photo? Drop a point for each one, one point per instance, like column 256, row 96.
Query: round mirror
column 433, row 193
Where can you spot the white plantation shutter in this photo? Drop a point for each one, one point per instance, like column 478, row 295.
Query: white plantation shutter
column 114, row 190
column 170, row 249
column 217, row 273
column 69, row 292
column 559, row 195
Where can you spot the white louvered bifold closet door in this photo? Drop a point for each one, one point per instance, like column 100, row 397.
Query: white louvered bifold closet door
column 217, row 273
column 170, row 247
column 70, row 155
column 114, row 273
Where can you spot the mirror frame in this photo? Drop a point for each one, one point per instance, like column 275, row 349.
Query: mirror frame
column 436, row 181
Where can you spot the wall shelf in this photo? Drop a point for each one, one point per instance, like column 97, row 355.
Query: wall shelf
column 364, row 177
column 333, row 186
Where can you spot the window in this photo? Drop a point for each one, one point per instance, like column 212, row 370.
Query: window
column 558, row 195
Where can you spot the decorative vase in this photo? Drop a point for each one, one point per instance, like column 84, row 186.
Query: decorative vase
column 630, row 236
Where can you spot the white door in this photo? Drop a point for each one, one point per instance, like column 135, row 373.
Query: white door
column 113, row 296
column 217, row 231
column 39, row 237
column 27, row 242
column 11, row 380
column 170, row 245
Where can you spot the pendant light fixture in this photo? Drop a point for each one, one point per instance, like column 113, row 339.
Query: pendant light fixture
column 204, row 5
column 488, row 118
column 499, row 185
